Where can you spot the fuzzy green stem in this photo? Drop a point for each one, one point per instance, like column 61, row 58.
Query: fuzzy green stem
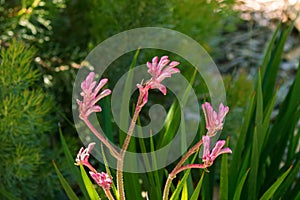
column 167, row 187
column 108, row 194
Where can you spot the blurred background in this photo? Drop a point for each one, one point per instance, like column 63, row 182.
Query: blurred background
column 43, row 43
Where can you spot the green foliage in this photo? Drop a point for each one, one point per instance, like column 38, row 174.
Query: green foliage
column 263, row 144
column 70, row 193
column 195, row 18
column 265, row 162
column 25, row 127
column 30, row 20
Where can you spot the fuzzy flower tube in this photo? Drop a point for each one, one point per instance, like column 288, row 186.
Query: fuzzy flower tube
column 214, row 120
column 91, row 96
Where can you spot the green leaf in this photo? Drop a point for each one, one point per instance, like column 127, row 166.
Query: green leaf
column 88, row 184
column 270, row 192
column 131, row 180
column 268, row 52
column 283, row 128
column 185, row 194
column 240, row 186
column 179, row 187
column 70, row 162
column 259, row 115
column 267, row 116
column 124, row 115
column 196, row 192
column 157, row 177
column 252, row 188
column 288, row 182
column 270, row 73
column 224, row 177
column 237, row 160
column 70, row 193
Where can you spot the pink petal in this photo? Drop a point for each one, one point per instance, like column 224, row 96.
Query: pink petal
column 100, row 85
column 206, row 145
column 174, row 64
column 103, row 94
column 161, row 87
column 225, row 150
column 219, row 145
column 90, row 146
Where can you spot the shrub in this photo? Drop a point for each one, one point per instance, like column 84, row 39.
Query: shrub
column 25, row 127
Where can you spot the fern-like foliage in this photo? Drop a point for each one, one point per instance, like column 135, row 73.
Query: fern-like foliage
column 25, row 125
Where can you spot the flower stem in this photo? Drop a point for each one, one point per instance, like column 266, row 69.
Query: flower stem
column 187, row 155
column 178, row 168
column 108, row 194
column 120, row 163
column 189, row 166
column 167, row 187
column 113, row 151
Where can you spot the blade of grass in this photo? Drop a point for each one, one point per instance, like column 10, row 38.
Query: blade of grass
column 288, row 181
column 239, row 188
column 294, row 141
column 224, row 177
column 268, row 52
column 196, row 192
column 88, row 184
column 70, row 193
column 126, row 95
column 184, row 194
column 271, row 71
column 259, row 115
column 270, row 192
column 252, row 186
column 70, row 162
column 179, row 187
column 157, row 177
column 149, row 175
column 283, row 127
column 237, row 160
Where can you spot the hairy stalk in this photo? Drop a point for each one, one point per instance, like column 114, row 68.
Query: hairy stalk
column 178, row 168
column 189, row 166
column 113, row 151
column 167, row 187
column 194, row 149
column 108, row 194
column 120, row 163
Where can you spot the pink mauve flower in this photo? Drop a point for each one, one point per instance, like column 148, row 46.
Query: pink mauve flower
column 102, row 179
column 161, row 70
column 90, row 91
column 84, row 154
column 214, row 121
column 208, row 157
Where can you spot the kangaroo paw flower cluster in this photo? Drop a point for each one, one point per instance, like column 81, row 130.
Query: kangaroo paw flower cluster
column 209, row 157
column 90, row 95
column 214, row 120
column 159, row 69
